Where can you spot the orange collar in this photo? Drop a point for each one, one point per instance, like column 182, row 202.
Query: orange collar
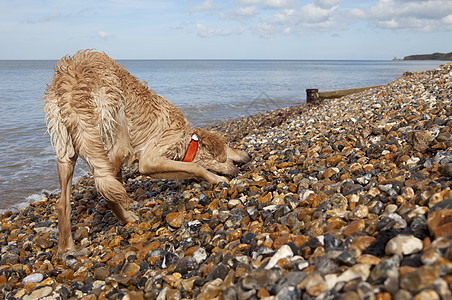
column 192, row 148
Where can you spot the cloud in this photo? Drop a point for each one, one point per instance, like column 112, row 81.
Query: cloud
column 44, row 19
column 271, row 17
column 268, row 3
column 316, row 16
column 247, row 11
column 326, row 3
column 183, row 25
column 207, row 5
column 447, row 19
column 104, row 35
column 309, row 13
column 268, row 18
column 242, row 13
column 265, row 30
column 427, row 15
column 206, row 32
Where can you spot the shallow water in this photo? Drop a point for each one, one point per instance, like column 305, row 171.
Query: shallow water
column 207, row 91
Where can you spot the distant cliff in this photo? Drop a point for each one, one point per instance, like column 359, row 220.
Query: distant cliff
column 434, row 56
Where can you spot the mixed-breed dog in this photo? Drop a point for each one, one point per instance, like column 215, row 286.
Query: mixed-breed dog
column 96, row 110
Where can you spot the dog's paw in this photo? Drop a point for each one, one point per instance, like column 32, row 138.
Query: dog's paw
column 65, row 251
column 221, row 179
column 131, row 217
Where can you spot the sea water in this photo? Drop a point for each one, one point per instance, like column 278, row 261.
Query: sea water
column 207, row 91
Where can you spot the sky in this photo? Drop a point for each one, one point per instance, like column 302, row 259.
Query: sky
column 228, row 29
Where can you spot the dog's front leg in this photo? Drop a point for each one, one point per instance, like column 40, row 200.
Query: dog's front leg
column 65, row 172
column 169, row 169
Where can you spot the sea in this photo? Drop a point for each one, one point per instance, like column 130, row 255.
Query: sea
column 207, row 91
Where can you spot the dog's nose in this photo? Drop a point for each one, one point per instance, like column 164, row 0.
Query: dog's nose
column 234, row 170
column 244, row 158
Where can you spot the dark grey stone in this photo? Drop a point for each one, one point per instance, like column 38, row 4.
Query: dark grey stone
column 219, row 271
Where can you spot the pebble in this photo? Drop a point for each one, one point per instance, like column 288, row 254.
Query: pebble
column 348, row 199
column 284, row 252
column 440, row 222
column 33, row 278
column 403, row 295
column 39, row 293
column 219, row 271
column 357, row 225
column 360, row 271
column 403, row 244
column 200, row 255
column 175, row 219
column 314, row 284
column 289, row 293
column 427, row 294
column 419, row 279
column 260, row 279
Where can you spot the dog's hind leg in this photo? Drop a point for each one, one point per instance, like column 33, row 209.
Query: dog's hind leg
column 114, row 192
column 65, row 173
column 107, row 184
column 116, row 159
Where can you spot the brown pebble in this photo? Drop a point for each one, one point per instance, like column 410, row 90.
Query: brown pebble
column 116, row 259
column 89, row 297
column 101, row 273
column 330, row 172
column 429, row 294
column 384, row 296
column 130, row 269
column 43, row 243
column 335, row 223
column 368, row 259
column 350, row 295
column 419, row 279
column 440, row 222
column 357, row 225
column 134, row 296
column 175, row 219
column 263, row 293
column 362, row 242
column 314, row 284
column 281, row 240
column 115, row 242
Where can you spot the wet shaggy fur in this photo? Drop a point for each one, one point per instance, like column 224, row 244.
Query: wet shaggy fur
column 96, row 110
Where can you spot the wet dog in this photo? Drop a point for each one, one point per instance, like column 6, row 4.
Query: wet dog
column 96, row 110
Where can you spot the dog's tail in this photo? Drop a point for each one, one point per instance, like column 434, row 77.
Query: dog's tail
column 59, row 135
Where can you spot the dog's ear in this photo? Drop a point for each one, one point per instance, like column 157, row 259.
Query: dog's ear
column 213, row 143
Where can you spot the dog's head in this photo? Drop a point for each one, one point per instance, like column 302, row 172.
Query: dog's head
column 215, row 155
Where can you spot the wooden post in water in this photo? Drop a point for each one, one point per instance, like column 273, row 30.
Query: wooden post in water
column 312, row 96
column 342, row 93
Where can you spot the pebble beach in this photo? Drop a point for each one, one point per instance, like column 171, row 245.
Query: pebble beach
column 349, row 198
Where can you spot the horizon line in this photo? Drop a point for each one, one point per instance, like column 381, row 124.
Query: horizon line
column 217, row 59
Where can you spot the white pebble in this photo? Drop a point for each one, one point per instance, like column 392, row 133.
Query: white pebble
column 399, row 221
column 390, row 209
column 33, row 278
column 306, row 194
column 284, row 252
column 412, row 162
column 357, row 271
column 200, row 255
column 233, row 203
column 403, row 244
